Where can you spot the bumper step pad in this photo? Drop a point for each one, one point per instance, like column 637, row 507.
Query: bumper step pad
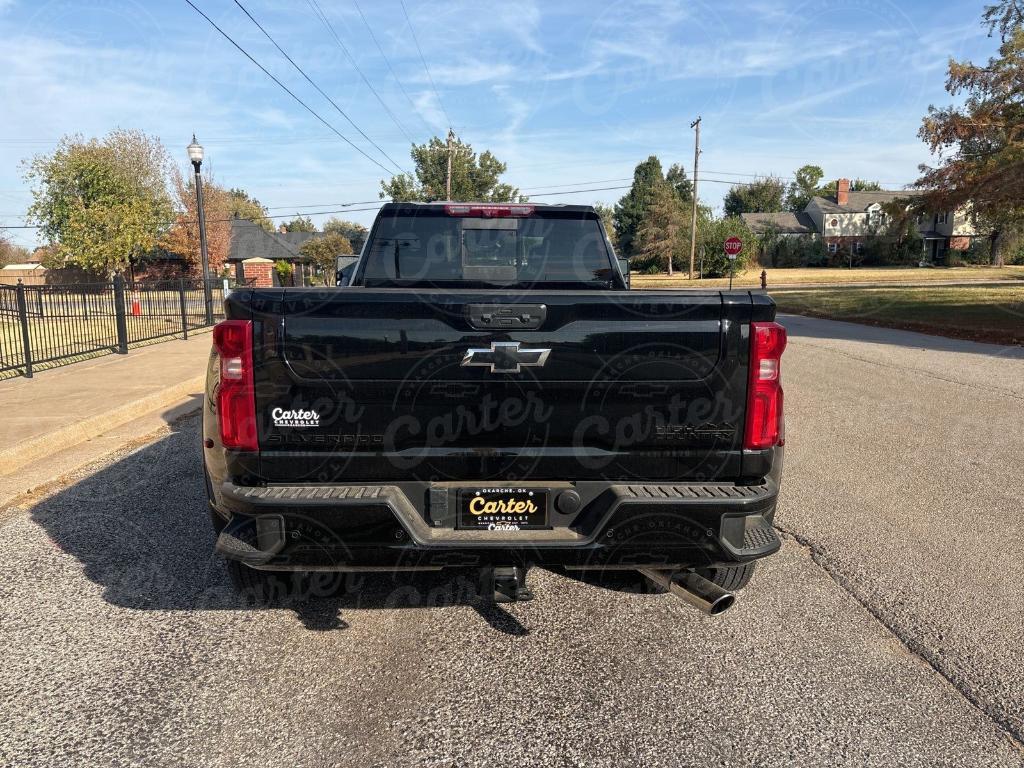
column 759, row 537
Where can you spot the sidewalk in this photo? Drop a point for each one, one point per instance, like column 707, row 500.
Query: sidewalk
column 64, row 407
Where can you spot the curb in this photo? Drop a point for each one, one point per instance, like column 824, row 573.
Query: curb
column 33, row 449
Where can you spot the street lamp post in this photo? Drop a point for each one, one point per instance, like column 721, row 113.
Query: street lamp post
column 195, row 154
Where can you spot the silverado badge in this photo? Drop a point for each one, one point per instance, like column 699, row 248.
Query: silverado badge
column 505, row 357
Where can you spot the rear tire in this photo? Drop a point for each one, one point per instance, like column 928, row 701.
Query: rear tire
column 216, row 519
column 731, row 578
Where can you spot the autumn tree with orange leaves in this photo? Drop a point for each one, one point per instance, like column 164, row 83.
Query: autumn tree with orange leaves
column 183, row 236
column 981, row 141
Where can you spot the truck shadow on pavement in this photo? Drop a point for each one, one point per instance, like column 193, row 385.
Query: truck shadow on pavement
column 137, row 522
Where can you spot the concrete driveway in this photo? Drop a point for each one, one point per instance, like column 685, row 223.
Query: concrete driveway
column 888, row 630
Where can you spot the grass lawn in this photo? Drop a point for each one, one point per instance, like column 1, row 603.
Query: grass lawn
column 992, row 313
column 810, row 276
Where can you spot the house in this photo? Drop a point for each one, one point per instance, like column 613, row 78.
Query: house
column 847, row 219
column 252, row 245
column 29, row 273
column 254, row 251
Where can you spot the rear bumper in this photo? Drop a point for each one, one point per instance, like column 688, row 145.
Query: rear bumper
column 409, row 526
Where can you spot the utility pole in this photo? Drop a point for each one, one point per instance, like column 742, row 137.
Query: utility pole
column 693, row 215
column 448, row 176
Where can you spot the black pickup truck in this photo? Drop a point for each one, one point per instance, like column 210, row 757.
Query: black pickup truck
column 487, row 393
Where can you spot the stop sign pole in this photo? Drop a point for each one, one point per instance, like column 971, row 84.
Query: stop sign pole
column 733, row 246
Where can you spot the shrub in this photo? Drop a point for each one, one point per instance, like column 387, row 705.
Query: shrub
column 1015, row 256
column 800, row 252
column 712, row 235
column 284, row 271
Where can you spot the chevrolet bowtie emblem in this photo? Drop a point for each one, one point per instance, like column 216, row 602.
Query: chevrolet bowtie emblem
column 505, row 357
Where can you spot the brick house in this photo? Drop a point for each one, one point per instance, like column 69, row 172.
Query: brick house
column 846, row 220
column 254, row 251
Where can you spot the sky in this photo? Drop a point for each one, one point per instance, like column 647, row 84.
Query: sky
column 568, row 94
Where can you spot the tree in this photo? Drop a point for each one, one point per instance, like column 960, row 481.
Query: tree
column 632, row 207
column 901, row 233
column 474, row 178
column 11, row 253
column 862, row 185
column 981, row 140
column 771, row 238
column 758, row 196
column 711, row 237
column 102, row 203
column 607, row 214
column 300, row 224
column 356, row 234
column 183, row 236
column 803, row 188
column 1004, row 17
column 243, row 206
column 661, row 235
column 324, row 252
column 857, row 185
column 680, row 182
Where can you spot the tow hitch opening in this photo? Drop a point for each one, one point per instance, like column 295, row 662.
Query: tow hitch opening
column 504, row 584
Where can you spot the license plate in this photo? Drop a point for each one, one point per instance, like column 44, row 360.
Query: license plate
column 503, row 509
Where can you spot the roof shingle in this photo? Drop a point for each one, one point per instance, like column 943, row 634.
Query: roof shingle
column 782, row 222
column 859, row 202
column 249, row 240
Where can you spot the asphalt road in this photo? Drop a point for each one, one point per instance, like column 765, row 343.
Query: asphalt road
column 888, row 631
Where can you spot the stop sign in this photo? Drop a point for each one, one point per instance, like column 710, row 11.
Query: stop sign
column 733, row 246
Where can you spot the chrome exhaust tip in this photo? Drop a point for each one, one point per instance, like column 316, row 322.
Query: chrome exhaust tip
column 693, row 589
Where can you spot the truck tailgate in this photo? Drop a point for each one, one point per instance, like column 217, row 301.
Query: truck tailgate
column 363, row 385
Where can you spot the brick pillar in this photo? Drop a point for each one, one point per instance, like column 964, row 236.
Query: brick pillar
column 259, row 272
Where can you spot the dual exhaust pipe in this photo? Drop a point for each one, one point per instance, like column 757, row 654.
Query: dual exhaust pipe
column 692, row 589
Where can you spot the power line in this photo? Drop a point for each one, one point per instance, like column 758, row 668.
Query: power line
column 286, row 89
column 316, row 205
column 318, row 88
column 388, row 62
column 326, row 22
column 575, row 191
column 343, row 207
column 576, row 184
column 373, row 207
column 424, row 60
column 233, row 218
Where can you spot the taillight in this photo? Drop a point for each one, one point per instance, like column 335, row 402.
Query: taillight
column 764, row 393
column 236, row 402
column 488, row 211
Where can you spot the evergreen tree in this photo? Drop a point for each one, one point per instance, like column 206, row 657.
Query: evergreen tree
column 660, row 237
column 631, row 209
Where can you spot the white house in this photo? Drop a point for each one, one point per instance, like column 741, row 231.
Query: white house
column 844, row 221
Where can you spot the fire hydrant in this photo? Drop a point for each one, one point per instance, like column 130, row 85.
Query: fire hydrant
column 764, row 280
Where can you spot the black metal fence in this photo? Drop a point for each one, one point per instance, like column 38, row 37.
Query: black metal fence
column 46, row 325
